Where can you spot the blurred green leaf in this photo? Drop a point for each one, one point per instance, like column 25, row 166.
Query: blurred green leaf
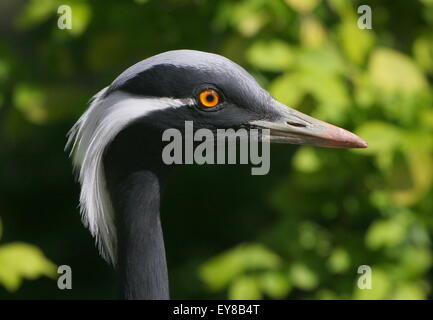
column 387, row 232
column 302, row 277
column 412, row 177
column 37, row 11
column 31, row 101
column 312, row 33
column 380, row 136
column 248, row 17
column 306, row 160
column 426, row 119
column 81, row 16
column 339, row 260
column 272, row 55
column 342, row 7
column 302, row 6
column 414, row 262
column 275, row 284
column 288, row 89
column 20, row 261
column 326, row 294
column 4, row 69
column 409, row 291
column 333, row 98
column 393, row 72
column 245, row 288
column 355, row 42
column 381, row 286
column 423, row 52
column 324, row 62
column 218, row 272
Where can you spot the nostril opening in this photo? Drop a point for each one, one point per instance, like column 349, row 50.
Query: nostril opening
column 296, row 124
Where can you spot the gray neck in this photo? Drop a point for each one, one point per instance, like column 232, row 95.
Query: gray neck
column 135, row 174
column 141, row 255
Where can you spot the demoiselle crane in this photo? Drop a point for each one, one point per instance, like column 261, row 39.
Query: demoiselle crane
column 116, row 148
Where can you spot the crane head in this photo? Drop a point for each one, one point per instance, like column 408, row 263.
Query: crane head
column 163, row 92
column 214, row 92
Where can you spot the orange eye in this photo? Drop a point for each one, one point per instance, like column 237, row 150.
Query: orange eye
column 209, row 98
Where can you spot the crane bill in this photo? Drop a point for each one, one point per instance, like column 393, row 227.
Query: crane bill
column 297, row 128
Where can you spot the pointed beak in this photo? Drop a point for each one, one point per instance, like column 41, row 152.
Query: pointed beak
column 295, row 127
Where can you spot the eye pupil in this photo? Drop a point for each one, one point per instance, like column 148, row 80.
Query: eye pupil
column 210, row 98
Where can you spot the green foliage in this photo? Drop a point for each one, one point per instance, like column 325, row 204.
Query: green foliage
column 19, row 261
column 329, row 212
column 354, row 79
column 249, row 271
column 37, row 11
column 219, row 271
column 270, row 55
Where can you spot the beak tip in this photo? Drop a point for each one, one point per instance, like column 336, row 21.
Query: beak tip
column 363, row 144
column 357, row 142
column 341, row 138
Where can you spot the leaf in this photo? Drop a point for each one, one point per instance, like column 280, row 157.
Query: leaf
column 381, row 285
column 333, row 98
column 306, row 160
column 309, row 235
column 272, row 55
column 302, row 6
column 423, row 52
column 326, row 294
column 339, row 260
column 380, row 136
column 318, row 72
column 248, row 17
column 81, row 15
column 20, row 261
column 393, row 72
column 426, row 119
column 409, row 291
column 312, row 32
column 288, row 89
column 418, row 148
column 36, row 11
column 4, row 68
column 342, row 7
column 218, row 272
column 245, row 288
column 355, row 42
column 275, row 284
column 324, row 62
column 302, row 277
column 387, row 232
column 40, row 105
column 415, row 262
column 31, row 101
